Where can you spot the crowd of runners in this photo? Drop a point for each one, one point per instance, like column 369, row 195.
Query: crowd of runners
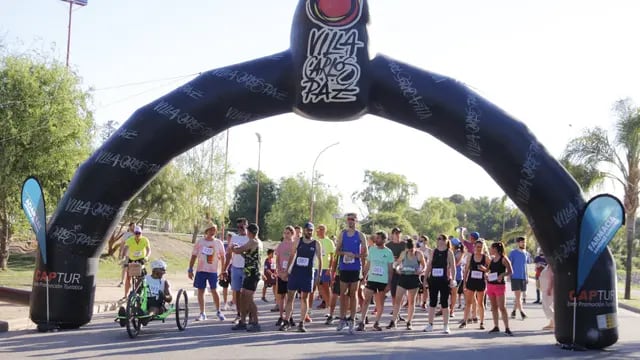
column 353, row 271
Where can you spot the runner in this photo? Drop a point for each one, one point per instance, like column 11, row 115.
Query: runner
column 209, row 252
column 121, row 255
column 352, row 249
column 519, row 258
column 250, row 251
column 328, row 251
column 397, row 247
column 234, row 263
column 499, row 268
column 284, row 249
column 546, row 284
column 460, row 257
column 475, row 284
column 440, row 279
column 136, row 250
column 225, row 276
column 305, row 251
column 541, row 263
column 423, row 245
column 409, row 266
column 269, row 275
column 377, row 274
column 335, row 292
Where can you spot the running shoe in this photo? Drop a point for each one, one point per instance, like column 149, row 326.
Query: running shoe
column 360, row 326
column 462, row 325
column 284, row 326
column 220, row 315
column 322, row 305
column 291, row 322
column 446, row 330
column 481, row 326
column 341, row 325
column 475, row 320
column 523, row 315
column 307, row 319
column 122, row 316
column 226, row 307
column 392, row 325
column 236, row 320
column 301, row 327
column 452, row 315
column 376, row 326
column 265, row 299
column 513, row 314
column 494, row 330
column 428, row 328
column 275, row 309
column 329, row 320
column 351, row 325
column 439, row 313
column 508, row 332
column 253, row 328
column 280, row 321
column 239, row 326
column 401, row 319
column 366, row 320
column 120, row 284
column 202, row 317
column 409, row 327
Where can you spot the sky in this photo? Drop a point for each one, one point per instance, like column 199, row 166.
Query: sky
column 557, row 66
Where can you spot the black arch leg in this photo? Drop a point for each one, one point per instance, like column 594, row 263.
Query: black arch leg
column 514, row 158
column 157, row 132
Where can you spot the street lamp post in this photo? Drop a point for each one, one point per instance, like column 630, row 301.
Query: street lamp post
column 258, row 178
column 313, row 178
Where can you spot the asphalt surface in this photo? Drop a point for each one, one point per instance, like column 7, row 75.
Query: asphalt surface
column 103, row 338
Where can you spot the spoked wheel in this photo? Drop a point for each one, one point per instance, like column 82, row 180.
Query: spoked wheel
column 133, row 310
column 182, row 310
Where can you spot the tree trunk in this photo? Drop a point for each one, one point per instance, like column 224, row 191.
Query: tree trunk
column 631, row 230
column 4, row 240
column 194, row 236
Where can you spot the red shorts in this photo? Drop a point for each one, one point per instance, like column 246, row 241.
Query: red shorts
column 496, row 289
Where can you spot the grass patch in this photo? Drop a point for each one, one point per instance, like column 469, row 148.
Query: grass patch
column 634, row 302
column 20, row 272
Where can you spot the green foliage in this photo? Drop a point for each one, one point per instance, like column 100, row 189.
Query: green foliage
column 244, row 199
column 435, row 216
column 386, row 221
column 45, row 130
column 586, row 175
column 292, row 206
column 385, row 192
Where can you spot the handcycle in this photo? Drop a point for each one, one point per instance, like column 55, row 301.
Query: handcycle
column 137, row 312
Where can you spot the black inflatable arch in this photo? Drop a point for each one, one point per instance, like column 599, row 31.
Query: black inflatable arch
column 326, row 74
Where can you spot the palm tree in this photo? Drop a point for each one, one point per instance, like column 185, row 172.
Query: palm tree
column 618, row 159
column 588, row 177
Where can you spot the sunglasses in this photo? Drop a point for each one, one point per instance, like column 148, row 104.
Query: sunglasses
column 351, row 219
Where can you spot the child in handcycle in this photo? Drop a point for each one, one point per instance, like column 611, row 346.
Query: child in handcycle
column 158, row 292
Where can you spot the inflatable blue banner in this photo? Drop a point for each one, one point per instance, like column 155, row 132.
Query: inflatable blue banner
column 33, row 206
column 603, row 216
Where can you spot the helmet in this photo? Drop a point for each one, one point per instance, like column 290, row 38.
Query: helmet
column 158, row 264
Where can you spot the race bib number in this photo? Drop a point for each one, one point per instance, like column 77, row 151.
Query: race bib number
column 408, row 269
column 207, row 251
column 273, row 266
column 137, row 253
column 476, row 274
column 493, row 276
column 377, row 270
column 285, row 264
column 302, row 261
column 437, row 272
column 349, row 259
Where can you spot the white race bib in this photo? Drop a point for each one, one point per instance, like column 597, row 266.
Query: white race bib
column 493, row 276
column 348, row 259
column 408, row 269
column 207, row 251
column 377, row 270
column 285, row 264
column 302, row 261
column 476, row 274
column 437, row 272
column 273, row 266
column 137, row 253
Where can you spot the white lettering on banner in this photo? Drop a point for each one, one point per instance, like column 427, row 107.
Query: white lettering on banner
column 136, row 166
column 565, row 250
column 600, row 239
column 472, row 126
column 331, row 71
column 127, row 134
column 87, row 207
column 33, row 214
column 251, row 83
column 192, row 92
column 404, row 80
column 566, row 215
column 182, row 118
column 528, row 172
column 73, row 236
column 235, row 114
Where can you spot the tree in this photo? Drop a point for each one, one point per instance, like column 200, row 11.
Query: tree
column 586, row 175
column 165, row 196
column 385, row 192
column 292, row 206
column 618, row 158
column 244, row 199
column 386, row 221
column 107, row 129
column 45, row 129
column 457, row 199
column 435, row 216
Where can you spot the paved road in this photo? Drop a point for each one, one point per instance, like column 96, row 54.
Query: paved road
column 213, row 339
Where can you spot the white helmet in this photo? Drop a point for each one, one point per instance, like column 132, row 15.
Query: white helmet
column 158, row 264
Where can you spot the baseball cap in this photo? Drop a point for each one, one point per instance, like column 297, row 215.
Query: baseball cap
column 455, row 241
column 475, row 235
column 309, row 225
column 137, row 230
column 396, row 230
column 158, row 264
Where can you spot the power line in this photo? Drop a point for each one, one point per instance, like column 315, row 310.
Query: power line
column 145, row 82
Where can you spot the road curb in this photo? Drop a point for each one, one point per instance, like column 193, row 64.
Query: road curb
column 629, row 307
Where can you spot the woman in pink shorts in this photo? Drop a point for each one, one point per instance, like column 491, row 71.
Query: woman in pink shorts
column 499, row 268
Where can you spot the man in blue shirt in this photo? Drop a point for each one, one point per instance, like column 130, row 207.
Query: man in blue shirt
column 519, row 258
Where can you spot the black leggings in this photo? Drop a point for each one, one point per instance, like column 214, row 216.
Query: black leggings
column 439, row 287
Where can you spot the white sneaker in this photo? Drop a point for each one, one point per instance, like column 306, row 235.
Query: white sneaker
column 202, row 317
column 446, row 330
column 341, row 325
column 226, row 307
column 220, row 315
column 351, row 326
column 428, row 328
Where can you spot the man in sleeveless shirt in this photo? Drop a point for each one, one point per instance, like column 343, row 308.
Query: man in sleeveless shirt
column 351, row 248
column 252, row 267
column 234, row 263
column 305, row 252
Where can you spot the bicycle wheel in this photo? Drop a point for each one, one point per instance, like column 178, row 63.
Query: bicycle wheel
column 133, row 309
column 182, row 309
